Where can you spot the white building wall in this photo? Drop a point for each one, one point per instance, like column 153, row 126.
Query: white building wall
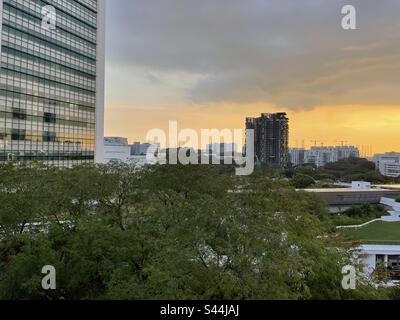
column 100, row 76
column 369, row 263
column 321, row 156
column 369, row 253
column 297, row 156
column 1, row 23
column 361, row 185
column 116, row 153
column 388, row 164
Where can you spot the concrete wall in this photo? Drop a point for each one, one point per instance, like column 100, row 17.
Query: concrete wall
column 116, row 153
column 369, row 263
column 370, row 252
column 354, row 197
column 100, row 77
column 1, row 22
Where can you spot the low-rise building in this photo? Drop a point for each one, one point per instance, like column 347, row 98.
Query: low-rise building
column 388, row 164
column 222, row 149
column 354, row 196
column 379, row 253
column 321, row 156
column 139, row 149
column 297, row 156
column 116, row 149
column 361, row 185
column 382, row 258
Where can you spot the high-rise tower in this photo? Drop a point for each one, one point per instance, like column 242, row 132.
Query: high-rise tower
column 52, row 81
column 271, row 138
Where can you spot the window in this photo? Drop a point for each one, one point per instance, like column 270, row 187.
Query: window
column 49, row 117
column 49, row 137
column 19, row 114
column 18, row 135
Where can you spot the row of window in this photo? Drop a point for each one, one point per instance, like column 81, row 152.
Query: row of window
column 37, row 106
column 21, row 62
column 32, row 25
column 75, row 9
column 23, row 42
column 35, row 127
column 62, row 159
column 23, row 135
column 27, row 146
column 48, row 82
column 47, row 118
column 19, row 82
column 92, row 4
column 20, row 135
column 63, row 20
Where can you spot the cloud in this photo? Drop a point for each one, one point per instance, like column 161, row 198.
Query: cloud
column 290, row 53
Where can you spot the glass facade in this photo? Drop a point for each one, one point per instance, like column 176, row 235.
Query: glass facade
column 48, row 82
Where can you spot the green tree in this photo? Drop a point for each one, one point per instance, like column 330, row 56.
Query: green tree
column 302, row 181
column 20, row 187
column 174, row 232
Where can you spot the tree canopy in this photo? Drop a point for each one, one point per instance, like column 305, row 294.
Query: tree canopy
column 165, row 232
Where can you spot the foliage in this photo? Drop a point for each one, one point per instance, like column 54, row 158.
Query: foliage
column 165, row 232
column 346, row 170
column 302, row 181
column 358, row 215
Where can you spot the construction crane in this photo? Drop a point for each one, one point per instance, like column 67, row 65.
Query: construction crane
column 342, row 143
column 315, row 142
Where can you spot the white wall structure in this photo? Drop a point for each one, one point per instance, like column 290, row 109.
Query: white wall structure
column 361, row 185
column 139, row 149
column 116, row 149
column 386, row 256
column 221, row 149
column 1, row 23
column 388, row 164
column 100, row 82
column 297, row 156
column 321, row 156
column 374, row 256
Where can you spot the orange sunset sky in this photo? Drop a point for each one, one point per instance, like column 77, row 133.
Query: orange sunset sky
column 367, row 127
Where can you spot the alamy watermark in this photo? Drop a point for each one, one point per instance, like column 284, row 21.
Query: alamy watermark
column 49, row 280
column 349, row 280
column 349, row 21
column 49, row 20
column 184, row 146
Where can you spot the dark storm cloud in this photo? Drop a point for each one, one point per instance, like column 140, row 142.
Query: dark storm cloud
column 292, row 53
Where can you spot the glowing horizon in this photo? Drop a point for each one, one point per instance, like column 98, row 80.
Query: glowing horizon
column 306, row 126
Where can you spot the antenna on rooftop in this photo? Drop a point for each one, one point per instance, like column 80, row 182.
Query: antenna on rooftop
column 315, row 142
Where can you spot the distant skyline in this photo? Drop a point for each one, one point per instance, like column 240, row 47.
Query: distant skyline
column 211, row 64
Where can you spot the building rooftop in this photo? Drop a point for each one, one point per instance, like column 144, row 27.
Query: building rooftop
column 381, row 248
column 336, row 190
column 390, row 186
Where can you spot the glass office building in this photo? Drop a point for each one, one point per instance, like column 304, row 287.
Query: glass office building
column 52, row 81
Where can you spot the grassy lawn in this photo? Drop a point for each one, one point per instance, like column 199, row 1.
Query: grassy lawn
column 376, row 233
